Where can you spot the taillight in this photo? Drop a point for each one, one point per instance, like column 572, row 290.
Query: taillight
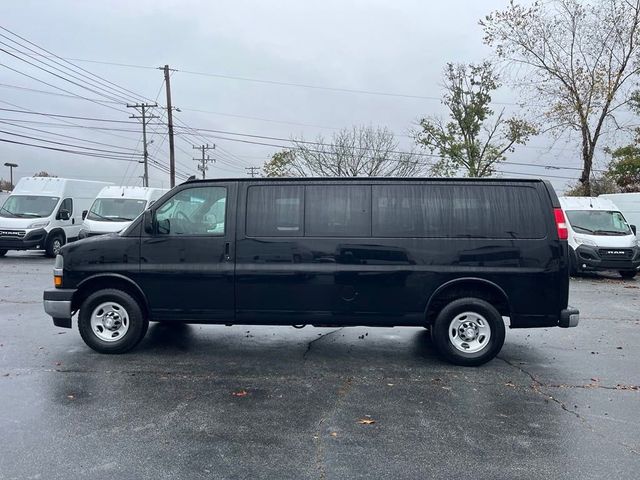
column 561, row 224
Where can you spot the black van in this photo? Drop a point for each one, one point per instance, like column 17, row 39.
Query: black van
column 452, row 255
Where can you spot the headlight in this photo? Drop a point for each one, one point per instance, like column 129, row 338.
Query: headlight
column 585, row 241
column 83, row 233
column 38, row 224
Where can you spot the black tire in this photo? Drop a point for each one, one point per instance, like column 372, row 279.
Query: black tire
column 54, row 244
column 573, row 263
column 137, row 327
column 444, row 345
column 3, row 252
column 627, row 274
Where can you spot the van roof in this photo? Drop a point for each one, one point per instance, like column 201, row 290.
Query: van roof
column 54, row 185
column 376, row 179
column 587, row 203
column 141, row 193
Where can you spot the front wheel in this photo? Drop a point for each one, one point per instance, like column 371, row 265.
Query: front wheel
column 468, row 332
column 54, row 245
column 627, row 274
column 3, row 252
column 111, row 321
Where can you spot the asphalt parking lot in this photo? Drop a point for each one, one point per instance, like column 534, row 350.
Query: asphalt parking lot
column 259, row 402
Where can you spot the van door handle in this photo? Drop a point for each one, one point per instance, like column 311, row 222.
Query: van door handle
column 73, row 221
column 227, row 249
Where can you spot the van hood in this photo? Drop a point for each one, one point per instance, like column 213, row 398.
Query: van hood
column 20, row 223
column 610, row 241
column 96, row 226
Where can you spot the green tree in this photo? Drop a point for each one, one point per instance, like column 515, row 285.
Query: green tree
column 280, row 165
column 624, row 169
column 473, row 140
column 577, row 60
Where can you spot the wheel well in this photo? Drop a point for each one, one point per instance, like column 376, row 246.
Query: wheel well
column 54, row 232
column 467, row 288
column 100, row 283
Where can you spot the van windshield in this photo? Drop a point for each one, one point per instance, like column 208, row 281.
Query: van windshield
column 28, row 206
column 598, row 222
column 116, row 209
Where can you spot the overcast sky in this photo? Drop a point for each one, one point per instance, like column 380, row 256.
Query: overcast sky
column 387, row 46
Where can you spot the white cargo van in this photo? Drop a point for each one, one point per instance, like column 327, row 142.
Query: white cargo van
column 45, row 213
column 628, row 204
column 600, row 238
column 116, row 207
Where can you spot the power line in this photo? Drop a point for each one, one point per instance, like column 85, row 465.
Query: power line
column 76, row 67
column 144, row 117
column 65, row 136
column 75, row 152
column 205, row 159
column 57, row 115
column 253, row 171
column 111, row 152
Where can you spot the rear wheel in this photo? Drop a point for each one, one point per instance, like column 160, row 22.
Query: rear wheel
column 111, row 321
column 627, row 273
column 3, row 252
column 54, row 244
column 468, row 332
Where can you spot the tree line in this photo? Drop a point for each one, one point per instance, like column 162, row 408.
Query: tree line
column 574, row 64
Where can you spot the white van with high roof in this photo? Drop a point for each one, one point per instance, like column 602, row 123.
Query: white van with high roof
column 628, row 204
column 44, row 213
column 600, row 238
column 116, row 207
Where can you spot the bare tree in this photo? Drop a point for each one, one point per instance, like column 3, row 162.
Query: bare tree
column 473, row 140
column 579, row 59
column 358, row 152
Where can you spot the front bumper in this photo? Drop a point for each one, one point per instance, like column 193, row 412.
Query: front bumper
column 33, row 239
column 601, row 258
column 57, row 304
column 569, row 317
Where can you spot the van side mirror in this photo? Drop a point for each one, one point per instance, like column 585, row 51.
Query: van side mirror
column 84, row 214
column 147, row 221
column 633, row 229
column 64, row 215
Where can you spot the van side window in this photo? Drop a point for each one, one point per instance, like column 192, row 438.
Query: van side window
column 67, row 204
column 275, row 211
column 462, row 211
column 193, row 211
column 338, row 211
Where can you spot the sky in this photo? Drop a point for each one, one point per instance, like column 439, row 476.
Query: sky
column 217, row 51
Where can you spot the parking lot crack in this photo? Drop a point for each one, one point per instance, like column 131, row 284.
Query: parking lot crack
column 310, row 344
column 342, row 392
column 537, row 387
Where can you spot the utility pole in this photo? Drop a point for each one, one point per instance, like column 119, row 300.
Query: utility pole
column 253, row 171
column 11, row 167
column 172, row 152
column 145, row 118
column 205, row 159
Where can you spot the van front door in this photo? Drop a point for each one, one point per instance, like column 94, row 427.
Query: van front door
column 187, row 264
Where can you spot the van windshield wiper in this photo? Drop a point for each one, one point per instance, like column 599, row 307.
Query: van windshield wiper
column 583, row 228
column 10, row 213
column 610, row 232
column 108, row 219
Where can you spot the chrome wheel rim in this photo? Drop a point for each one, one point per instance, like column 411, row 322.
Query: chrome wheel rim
column 469, row 332
column 57, row 245
column 109, row 321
